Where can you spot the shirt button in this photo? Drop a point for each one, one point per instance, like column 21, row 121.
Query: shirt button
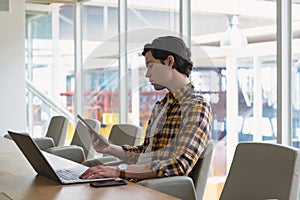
column 185, row 121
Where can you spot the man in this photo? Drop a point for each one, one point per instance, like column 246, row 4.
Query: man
column 179, row 125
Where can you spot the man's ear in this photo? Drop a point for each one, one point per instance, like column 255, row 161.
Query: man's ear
column 170, row 61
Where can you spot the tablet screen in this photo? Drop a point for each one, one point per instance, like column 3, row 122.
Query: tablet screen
column 100, row 137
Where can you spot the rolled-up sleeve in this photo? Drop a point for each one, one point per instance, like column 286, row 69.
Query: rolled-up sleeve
column 132, row 153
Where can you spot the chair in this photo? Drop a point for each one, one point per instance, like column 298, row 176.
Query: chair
column 125, row 134
column 55, row 135
column 189, row 187
column 263, row 171
column 7, row 136
column 80, row 147
column 120, row 134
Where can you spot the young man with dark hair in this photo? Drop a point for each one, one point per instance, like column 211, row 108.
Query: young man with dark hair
column 179, row 125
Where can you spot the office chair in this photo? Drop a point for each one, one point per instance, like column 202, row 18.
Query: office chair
column 189, row 187
column 120, row 134
column 7, row 136
column 263, row 171
column 80, row 147
column 55, row 135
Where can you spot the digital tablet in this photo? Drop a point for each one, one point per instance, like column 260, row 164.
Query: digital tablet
column 102, row 140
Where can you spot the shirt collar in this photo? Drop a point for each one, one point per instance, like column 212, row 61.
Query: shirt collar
column 178, row 94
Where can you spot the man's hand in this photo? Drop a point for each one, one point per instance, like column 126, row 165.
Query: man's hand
column 100, row 143
column 133, row 171
column 101, row 171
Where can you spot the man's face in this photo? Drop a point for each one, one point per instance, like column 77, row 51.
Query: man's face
column 157, row 73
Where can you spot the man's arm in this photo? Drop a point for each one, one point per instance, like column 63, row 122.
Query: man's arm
column 124, row 152
column 133, row 171
column 111, row 149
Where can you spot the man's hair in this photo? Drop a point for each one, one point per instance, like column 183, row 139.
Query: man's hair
column 181, row 65
column 162, row 47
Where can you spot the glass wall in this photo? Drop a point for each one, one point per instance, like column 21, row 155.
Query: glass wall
column 238, row 66
column 233, row 47
column 49, row 63
column 146, row 21
column 100, row 62
column 295, row 81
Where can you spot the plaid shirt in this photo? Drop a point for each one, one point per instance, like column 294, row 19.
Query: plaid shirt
column 180, row 135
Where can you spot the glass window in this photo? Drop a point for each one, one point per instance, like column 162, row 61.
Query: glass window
column 163, row 15
column 146, row 21
column 100, row 62
column 295, row 81
column 234, row 46
column 49, row 63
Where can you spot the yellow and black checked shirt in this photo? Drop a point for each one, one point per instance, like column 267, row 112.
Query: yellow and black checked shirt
column 180, row 136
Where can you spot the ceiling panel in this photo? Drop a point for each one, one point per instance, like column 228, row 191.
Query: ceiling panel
column 50, row 1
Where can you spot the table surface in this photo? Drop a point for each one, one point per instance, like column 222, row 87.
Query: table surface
column 18, row 180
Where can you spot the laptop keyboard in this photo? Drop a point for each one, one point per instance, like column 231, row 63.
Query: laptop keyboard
column 67, row 174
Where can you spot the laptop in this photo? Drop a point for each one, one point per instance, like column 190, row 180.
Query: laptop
column 43, row 167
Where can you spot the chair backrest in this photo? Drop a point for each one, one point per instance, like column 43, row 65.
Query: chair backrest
column 125, row 134
column 82, row 138
column 200, row 171
column 263, row 171
column 57, row 130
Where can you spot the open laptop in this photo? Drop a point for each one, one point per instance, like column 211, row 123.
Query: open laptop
column 43, row 167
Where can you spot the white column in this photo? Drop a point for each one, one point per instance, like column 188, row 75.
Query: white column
column 78, row 65
column 105, row 18
column 231, row 108
column 185, row 21
column 30, row 114
column 257, row 99
column 135, row 90
column 12, row 71
column 123, row 89
column 57, row 72
column 284, row 103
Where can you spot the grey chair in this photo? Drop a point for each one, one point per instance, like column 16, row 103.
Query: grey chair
column 80, row 147
column 7, row 136
column 120, row 134
column 125, row 134
column 189, row 187
column 263, row 171
column 55, row 135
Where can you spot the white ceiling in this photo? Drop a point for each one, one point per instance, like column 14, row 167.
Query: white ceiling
column 50, row 1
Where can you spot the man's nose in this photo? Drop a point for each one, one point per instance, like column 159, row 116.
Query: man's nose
column 147, row 75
